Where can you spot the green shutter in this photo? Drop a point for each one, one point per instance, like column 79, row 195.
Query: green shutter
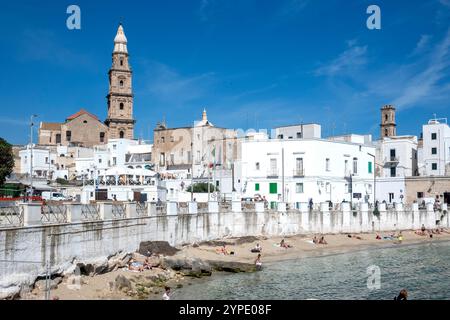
column 256, row 186
column 273, row 188
column 370, row 167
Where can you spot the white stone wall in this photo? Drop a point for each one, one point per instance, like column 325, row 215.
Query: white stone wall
column 24, row 251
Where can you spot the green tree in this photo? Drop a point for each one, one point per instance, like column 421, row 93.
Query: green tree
column 202, row 187
column 6, row 160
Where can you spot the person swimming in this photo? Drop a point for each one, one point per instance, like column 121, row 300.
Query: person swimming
column 258, row 262
column 403, row 295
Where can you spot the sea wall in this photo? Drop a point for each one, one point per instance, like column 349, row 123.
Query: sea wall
column 63, row 235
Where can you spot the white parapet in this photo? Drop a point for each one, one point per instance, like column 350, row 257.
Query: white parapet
column 326, row 219
column 105, row 210
column 74, row 212
column 236, row 206
column 281, row 207
column 213, row 207
column 130, row 210
column 304, row 211
column 151, row 209
column 431, row 217
column 193, row 208
column 259, row 206
column 416, row 216
column 346, row 217
column 31, row 214
column 172, row 208
column 365, row 217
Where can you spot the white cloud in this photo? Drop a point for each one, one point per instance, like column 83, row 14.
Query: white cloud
column 348, row 60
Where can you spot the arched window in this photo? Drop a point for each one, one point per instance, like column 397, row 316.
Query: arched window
column 386, row 132
column 121, row 62
column 386, row 117
column 121, row 83
column 121, row 106
column 121, row 134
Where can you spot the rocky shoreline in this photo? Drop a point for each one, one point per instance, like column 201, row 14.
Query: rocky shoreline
column 167, row 269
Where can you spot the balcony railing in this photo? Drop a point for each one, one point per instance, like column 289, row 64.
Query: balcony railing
column 272, row 173
column 300, row 172
column 391, row 160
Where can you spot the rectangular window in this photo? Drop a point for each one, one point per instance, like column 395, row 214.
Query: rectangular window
column 172, row 158
column 273, row 167
column 102, row 137
column 299, row 135
column 370, row 167
column 162, row 159
column 256, row 186
column 68, row 135
column 273, row 188
column 162, row 139
column 58, row 138
column 355, row 165
column 189, row 157
column 346, row 167
column 433, row 150
column 114, row 147
column 433, row 136
column 299, row 188
column 419, row 195
column 99, row 160
column 327, row 164
column 393, row 171
column 434, row 166
column 114, row 161
column 257, row 166
column 46, row 160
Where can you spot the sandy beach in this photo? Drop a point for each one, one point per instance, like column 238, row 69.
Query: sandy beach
column 149, row 284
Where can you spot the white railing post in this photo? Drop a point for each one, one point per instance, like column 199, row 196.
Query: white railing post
column 193, row 208
column 131, row 210
column 416, row 216
column 346, row 216
column 236, row 206
column 365, row 217
column 213, row 207
column 326, row 219
column 31, row 214
column 172, row 208
column 74, row 212
column 304, row 211
column 105, row 210
column 281, row 207
column 431, row 217
column 259, row 207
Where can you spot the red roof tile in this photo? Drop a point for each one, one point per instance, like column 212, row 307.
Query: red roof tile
column 79, row 113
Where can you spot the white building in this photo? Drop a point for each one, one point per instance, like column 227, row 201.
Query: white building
column 43, row 161
column 299, row 131
column 435, row 154
column 309, row 168
column 134, row 154
column 397, row 156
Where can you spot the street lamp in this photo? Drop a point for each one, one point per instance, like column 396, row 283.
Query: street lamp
column 31, row 155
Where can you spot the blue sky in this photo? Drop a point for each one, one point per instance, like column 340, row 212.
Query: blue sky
column 251, row 63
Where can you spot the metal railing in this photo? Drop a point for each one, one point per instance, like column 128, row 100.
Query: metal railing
column 54, row 214
column 300, row 172
column 272, row 173
column 248, row 206
column 141, row 209
column 118, row 211
column 11, row 216
column 90, row 212
column 183, row 208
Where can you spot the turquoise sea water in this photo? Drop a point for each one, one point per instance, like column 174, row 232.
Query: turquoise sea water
column 423, row 269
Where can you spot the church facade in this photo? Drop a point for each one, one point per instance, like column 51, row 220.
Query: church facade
column 84, row 128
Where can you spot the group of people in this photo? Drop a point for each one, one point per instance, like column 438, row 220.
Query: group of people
column 134, row 265
column 424, row 231
column 398, row 238
column 223, row 250
column 319, row 241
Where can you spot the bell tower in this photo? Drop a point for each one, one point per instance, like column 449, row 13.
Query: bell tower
column 388, row 125
column 120, row 97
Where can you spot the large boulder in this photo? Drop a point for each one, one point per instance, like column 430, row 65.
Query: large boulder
column 53, row 283
column 119, row 260
column 187, row 266
column 149, row 248
column 93, row 267
column 122, row 283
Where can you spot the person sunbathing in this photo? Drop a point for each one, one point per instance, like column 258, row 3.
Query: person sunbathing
column 378, row 237
column 283, row 244
column 147, row 264
column 256, row 249
column 135, row 266
column 356, row 237
column 322, row 240
column 315, row 240
column 223, row 250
